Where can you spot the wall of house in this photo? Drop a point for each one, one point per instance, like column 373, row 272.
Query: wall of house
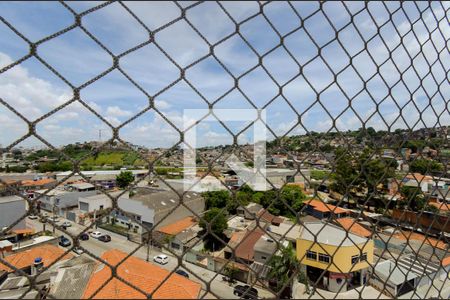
column 93, row 204
column 12, row 211
column 261, row 257
column 341, row 256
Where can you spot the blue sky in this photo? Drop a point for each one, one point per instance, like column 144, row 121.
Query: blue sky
column 34, row 90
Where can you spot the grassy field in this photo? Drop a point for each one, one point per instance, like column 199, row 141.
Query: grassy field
column 115, row 159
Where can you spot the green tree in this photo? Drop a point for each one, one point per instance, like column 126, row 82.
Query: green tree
column 412, row 198
column 124, row 179
column 217, row 221
column 345, row 173
column 218, row 199
column 283, row 266
column 374, row 172
column 425, row 166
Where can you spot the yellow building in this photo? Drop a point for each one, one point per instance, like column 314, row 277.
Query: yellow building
column 342, row 257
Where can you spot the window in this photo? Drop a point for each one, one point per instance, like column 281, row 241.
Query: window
column 263, row 257
column 138, row 218
column 355, row 259
column 364, row 256
column 311, row 255
column 175, row 246
column 324, row 258
column 101, row 206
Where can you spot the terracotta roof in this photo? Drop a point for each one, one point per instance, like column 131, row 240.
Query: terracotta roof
column 323, row 207
column 411, row 235
column 144, row 275
column 352, row 225
column 268, row 217
column 247, row 240
column 37, row 182
column 179, row 226
column 419, row 177
column 446, row 261
column 23, row 231
column 23, row 259
column 441, row 205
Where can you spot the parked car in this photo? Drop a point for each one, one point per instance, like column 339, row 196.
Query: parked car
column 245, row 291
column 96, row 234
column 64, row 242
column 161, row 259
column 32, row 217
column 54, row 219
column 84, row 236
column 78, row 250
column 182, row 273
column 105, row 238
column 66, row 224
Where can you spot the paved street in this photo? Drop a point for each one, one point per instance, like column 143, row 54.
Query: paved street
column 219, row 288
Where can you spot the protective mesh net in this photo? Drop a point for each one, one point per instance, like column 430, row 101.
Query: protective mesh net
column 361, row 214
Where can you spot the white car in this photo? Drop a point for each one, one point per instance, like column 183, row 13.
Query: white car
column 66, row 224
column 32, row 217
column 161, row 259
column 96, row 234
column 78, row 251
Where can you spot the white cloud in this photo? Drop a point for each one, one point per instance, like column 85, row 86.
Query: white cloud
column 115, row 111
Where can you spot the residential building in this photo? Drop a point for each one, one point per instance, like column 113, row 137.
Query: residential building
column 155, row 207
column 287, row 231
column 12, row 208
column 8, row 187
column 138, row 174
column 24, row 260
column 317, row 208
column 393, row 279
column 250, row 210
column 146, row 276
column 97, row 202
column 65, row 279
column 59, row 201
column 38, row 184
column 343, row 256
column 264, row 249
column 177, row 234
column 243, row 243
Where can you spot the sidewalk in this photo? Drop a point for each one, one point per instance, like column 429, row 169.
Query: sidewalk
column 364, row 292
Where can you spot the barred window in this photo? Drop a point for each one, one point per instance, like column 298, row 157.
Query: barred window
column 311, row 255
column 364, row 257
column 324, row 258
column 355, row 259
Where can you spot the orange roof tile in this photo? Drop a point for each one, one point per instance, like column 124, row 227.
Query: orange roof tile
column 323, row 207
column 441, row 205
column 144, row 275
column 410, row 235
column 244, row 242
column 37, row 182
column 179, row 226
column 23, row 231
column 446, row 261
column 23, row 259
column 419, row 177
column 352, row 225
